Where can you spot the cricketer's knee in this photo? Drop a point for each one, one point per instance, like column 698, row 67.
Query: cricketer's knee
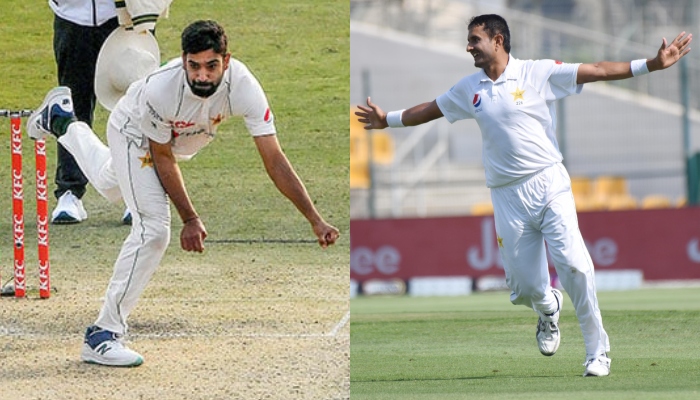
column 157, row 238
column 533, row 296
column 151, row 229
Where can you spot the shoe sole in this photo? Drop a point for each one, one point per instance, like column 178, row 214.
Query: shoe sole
column 65, row 219
column 95, row 362
column 87, row 357
column 586, row 374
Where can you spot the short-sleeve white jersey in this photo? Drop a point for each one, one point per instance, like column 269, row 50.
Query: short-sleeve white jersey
column 162, row 107
column 516, row 115
column 85, row 13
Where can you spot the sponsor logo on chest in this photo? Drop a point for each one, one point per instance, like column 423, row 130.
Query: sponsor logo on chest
column 477, row 103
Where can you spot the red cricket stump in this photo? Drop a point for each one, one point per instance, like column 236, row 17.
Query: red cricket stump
column 42, row 209
column 18, row 205
column 42, row 218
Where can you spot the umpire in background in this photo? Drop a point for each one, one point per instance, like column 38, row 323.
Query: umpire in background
column 80, row 28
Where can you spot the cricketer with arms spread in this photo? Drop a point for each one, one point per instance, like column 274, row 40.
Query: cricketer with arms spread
column 168, row 116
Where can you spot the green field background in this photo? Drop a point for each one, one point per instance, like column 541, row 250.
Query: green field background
column 482, row 347
column 300, row 53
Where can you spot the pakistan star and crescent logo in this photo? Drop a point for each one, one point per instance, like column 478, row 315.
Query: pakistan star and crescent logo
column 146, row 160
column 518, row 94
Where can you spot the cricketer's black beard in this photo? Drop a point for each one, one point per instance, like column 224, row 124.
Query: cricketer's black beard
column 203, row 89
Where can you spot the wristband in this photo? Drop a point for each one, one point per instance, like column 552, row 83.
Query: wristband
column 639, row 67
column 393, row 119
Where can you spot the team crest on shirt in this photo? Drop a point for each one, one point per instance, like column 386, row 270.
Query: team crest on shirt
column 518, row 96
column 146, row 160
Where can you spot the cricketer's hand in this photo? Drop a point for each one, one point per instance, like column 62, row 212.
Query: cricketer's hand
column 192, row 236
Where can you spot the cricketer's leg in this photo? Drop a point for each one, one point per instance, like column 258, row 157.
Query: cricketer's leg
column 145, row 246
column 93, row 158
column 521, row 244
column 518, row 211
column 574, row 266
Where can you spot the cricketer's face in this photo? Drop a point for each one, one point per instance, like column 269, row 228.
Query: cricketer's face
column 481, row 47
column 205, row 70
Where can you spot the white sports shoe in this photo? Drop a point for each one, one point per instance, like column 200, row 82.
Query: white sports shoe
column 69, row 210
column 106, row 348
column 547, row 335
column 57, row 104
column 598, row 366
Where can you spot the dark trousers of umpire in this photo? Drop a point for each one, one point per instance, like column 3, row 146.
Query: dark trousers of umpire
column 76, row 48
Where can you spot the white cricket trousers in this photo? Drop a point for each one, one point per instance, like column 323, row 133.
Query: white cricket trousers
column 529, row 212
column 124, row 171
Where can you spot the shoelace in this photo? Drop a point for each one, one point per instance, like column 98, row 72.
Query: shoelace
column 592, row 360
column 113, row 337
column 544, row 325
column 118, row 340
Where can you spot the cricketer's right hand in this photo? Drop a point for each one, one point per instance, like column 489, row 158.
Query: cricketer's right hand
column 327, row 234
column 192, row 235
column 372, row 115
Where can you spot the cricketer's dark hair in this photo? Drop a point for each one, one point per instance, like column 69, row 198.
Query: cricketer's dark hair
column 204, row 35
column 493, row 25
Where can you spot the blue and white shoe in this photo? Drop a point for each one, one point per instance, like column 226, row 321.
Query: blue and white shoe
column 106, row 348
column 69, row 210
column 57, row 104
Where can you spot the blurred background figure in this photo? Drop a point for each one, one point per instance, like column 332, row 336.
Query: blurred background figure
column 80, row 29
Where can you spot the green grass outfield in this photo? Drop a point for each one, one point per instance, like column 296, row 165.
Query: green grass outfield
column 482, row 347
column 299, row 50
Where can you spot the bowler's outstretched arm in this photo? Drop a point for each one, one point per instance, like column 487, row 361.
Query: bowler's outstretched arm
column 290, row 185
column 375, row 117
column 668, row 55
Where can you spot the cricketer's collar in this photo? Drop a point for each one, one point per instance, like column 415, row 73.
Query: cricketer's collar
column 510, row 73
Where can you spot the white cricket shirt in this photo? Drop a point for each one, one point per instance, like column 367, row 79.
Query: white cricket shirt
column 516, row 115
column 84, row 12
column 161, row 107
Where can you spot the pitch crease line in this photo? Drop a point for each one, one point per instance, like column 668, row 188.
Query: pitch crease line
column 340, row 324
